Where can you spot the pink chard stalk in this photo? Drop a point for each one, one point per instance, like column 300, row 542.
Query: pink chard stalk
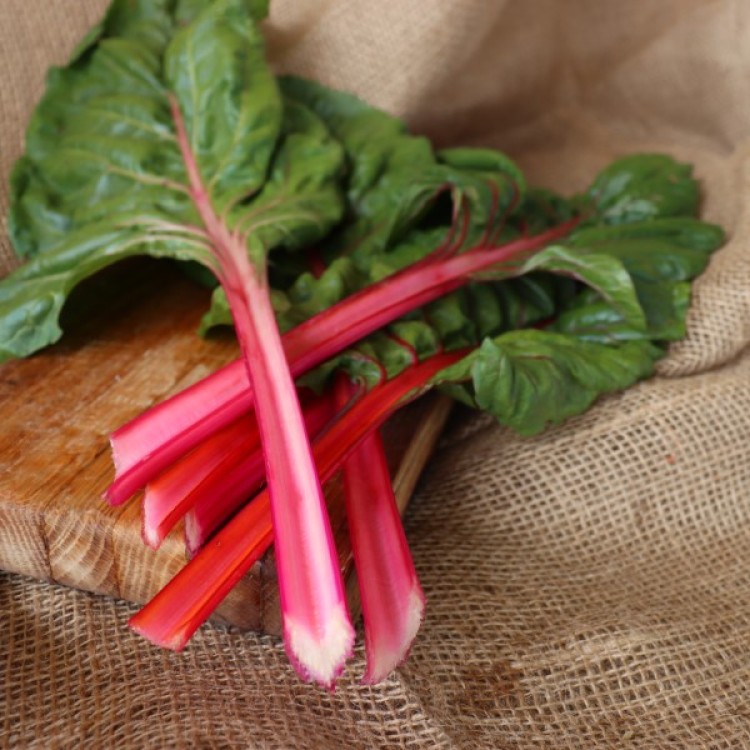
column 208, row 485
column 393, row 603
column 176, row 612
column 317, row 629
column 222, row 495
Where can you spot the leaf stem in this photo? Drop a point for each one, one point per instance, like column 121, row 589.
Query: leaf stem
column 317, row 631
column 392, row 599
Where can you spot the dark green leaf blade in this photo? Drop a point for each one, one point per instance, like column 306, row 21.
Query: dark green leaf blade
column 598, row 270
column 301, row 199
column 103, row 153
column 31, row 302
column 216, row 68
column 396, row 179
column 531, row 379
column 643, row 186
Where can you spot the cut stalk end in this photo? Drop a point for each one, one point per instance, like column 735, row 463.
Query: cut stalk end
column 320, row 657
column 384, row 654
column 174, row 641
column 151, row 533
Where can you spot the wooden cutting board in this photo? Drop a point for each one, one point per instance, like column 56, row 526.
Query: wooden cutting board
column 130, row 341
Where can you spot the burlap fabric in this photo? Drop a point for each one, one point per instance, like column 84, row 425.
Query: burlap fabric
column 588, row 588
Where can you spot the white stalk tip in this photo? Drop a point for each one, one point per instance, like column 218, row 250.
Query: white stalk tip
column 149, row 530
column 320, row 658
column 386, row 653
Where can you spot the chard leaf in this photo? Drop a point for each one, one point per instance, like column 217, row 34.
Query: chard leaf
column 613, row 258
column 380, row 356
column 602, row 272
column 394, row 186
column 606, row 298
column 310, row 295
column 661, row 256
column 300, row 199
column 456, row 321
column 530, row 379
column 215, row 66
column 103, row 177
column 664, row 304
column 540, row 210
column 380, row 151
column 633, row 257
column 681, row 231
column 395, row 179
column 643, row 186
column 30, row 306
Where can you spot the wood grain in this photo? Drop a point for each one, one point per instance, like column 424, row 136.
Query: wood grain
column 130, row 341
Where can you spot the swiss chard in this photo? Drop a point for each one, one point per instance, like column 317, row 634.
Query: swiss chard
column 183, row 605
column 541, row 362
column 168, row 135
column 148, row 444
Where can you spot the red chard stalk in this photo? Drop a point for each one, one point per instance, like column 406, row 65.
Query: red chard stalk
column 175, row 613
column 392, row 600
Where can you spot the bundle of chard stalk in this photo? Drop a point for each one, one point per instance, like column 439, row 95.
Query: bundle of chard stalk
column 359, row 266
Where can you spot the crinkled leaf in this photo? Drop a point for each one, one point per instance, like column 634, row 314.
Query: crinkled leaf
column 541, row 209
column 455, row 321
column 307, row 297
column 661, row 256
column 380, row 356
column 643, row 186
column 30, row 306
column 301, row 198
column 601, row 271
column 102, row 153
column 395, row 179
column 216, row 68
column 531, row 379
column 665, row 306
column 395, row 186
column 598, row 338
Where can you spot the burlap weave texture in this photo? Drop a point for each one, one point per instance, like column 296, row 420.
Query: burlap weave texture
column 586, row 589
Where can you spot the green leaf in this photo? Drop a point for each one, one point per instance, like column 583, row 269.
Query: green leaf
column 602, row 272
column 301, row 198
column 542, row 209
column 309, row 295
column 216, row 68
column 396, row 180
column 380, row 151
column 661, row 256
column 30, row 306
column 531, row 379
column 103, row 157
column 664, row 304
column 395, row 189
column 643, row 186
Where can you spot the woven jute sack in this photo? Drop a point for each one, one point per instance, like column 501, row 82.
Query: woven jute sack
column 589, row 588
